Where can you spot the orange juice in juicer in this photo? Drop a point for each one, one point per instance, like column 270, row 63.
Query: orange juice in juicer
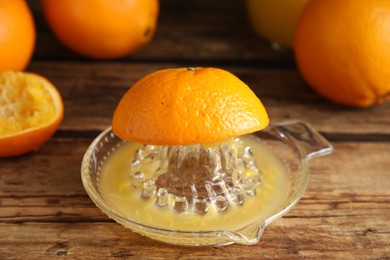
column 188, row 160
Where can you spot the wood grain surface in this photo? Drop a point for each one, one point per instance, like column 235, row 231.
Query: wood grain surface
column 345, row 213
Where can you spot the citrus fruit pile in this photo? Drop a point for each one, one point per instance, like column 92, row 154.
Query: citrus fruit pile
column 184, row 106
column 102, row 29
column 31, row 110
column 343, row 50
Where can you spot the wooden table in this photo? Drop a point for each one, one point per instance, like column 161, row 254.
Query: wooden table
column 344, row 214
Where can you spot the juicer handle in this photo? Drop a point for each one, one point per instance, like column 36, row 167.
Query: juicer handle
column 305, row 139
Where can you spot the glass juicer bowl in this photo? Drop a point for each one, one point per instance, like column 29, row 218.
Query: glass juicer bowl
column 293, row 144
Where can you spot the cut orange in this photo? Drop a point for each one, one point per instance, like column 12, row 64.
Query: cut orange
column 31, row 110
column 188, row 106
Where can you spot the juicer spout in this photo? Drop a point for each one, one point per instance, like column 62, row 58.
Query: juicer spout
column 249, row 235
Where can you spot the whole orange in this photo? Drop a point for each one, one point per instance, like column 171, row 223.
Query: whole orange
column 102, row 28
column 343, row 50
column 17, row 35
column 182, row 106
column 31, row 110
column 275, row 19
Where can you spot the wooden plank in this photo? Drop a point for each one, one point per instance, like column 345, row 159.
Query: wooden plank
column 314, row 205
column 53, row 171
column 55, row 209
column 354, row 168
column 327, row 237
column 345, row 212
column 91, row 91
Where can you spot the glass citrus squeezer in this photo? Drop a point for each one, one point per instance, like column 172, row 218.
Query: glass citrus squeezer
column 214, row 193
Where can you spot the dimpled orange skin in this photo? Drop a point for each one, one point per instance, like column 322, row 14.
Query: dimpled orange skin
column 32, row 139
column 343, row 50
column 182, row 106
column 17, row 35
column 102, row 29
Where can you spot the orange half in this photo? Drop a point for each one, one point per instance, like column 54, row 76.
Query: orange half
column 184, row 106
column 31, row 110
